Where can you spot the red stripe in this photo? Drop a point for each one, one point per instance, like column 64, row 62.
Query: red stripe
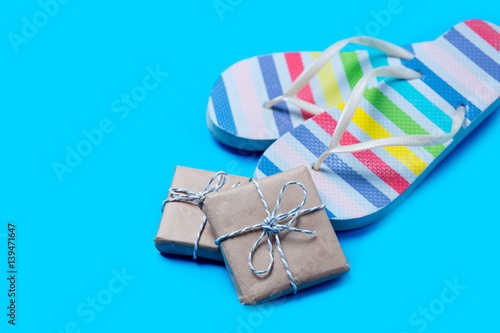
column 486, row 32
column 296, row 67
column 367, row 157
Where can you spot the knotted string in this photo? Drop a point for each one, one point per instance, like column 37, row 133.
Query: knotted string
column 271, row 226
column 184, row 195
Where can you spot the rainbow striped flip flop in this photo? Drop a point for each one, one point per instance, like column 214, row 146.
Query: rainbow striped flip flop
column 458, row 88
column 237, row 114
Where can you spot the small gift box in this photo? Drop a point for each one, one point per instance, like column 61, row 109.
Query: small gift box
column 183, row 228
column 275, row 236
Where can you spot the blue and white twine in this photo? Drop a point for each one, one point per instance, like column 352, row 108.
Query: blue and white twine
column 271, row 226
column 184, row 195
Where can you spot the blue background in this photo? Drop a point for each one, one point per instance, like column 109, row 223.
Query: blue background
column 74, row 235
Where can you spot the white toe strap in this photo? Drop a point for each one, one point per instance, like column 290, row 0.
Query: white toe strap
column 323, row 59
column 352, row 103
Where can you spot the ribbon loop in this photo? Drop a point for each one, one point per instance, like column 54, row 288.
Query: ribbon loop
column 270, row 226
column 184, row 195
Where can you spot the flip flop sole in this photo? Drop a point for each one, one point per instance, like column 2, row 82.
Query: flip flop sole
column 462, row 67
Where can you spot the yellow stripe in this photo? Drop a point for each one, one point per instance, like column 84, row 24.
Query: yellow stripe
column 364, row 121
column 375, row 131
column 329, row 84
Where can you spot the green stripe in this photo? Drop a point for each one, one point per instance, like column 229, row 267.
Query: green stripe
column 398, row 117
column 352, row 67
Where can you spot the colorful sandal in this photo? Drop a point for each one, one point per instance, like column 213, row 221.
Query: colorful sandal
column 248, row 110
column 360, row 180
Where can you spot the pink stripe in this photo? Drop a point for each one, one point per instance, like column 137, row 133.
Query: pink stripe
column 252, row 108
column 374, row 163
column 490, row 35
column 296, row 67
column 460, row 72
column 288, row 153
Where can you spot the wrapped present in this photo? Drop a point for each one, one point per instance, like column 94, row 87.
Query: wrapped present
column 183, row 228
column 275, row 236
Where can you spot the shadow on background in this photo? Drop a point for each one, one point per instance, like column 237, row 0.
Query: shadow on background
column 199, row 261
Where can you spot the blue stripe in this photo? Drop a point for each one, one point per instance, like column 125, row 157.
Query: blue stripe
column 421, row 103
column 267, row 167
column 222, row 109
column 273, row 87
column 442, row 88
column 408, row 48
column 475, row 54
column 355, row 180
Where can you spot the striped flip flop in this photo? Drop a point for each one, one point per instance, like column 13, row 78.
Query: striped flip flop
column 239, row 112
column 371, row 155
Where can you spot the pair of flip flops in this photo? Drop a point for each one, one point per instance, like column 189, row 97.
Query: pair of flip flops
column 369, row 124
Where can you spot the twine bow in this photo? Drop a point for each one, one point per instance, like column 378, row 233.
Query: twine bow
column 271, row 226
column 184, row 195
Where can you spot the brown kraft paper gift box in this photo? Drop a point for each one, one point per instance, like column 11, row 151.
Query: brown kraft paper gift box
column 312, row 258
column 181, row 221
